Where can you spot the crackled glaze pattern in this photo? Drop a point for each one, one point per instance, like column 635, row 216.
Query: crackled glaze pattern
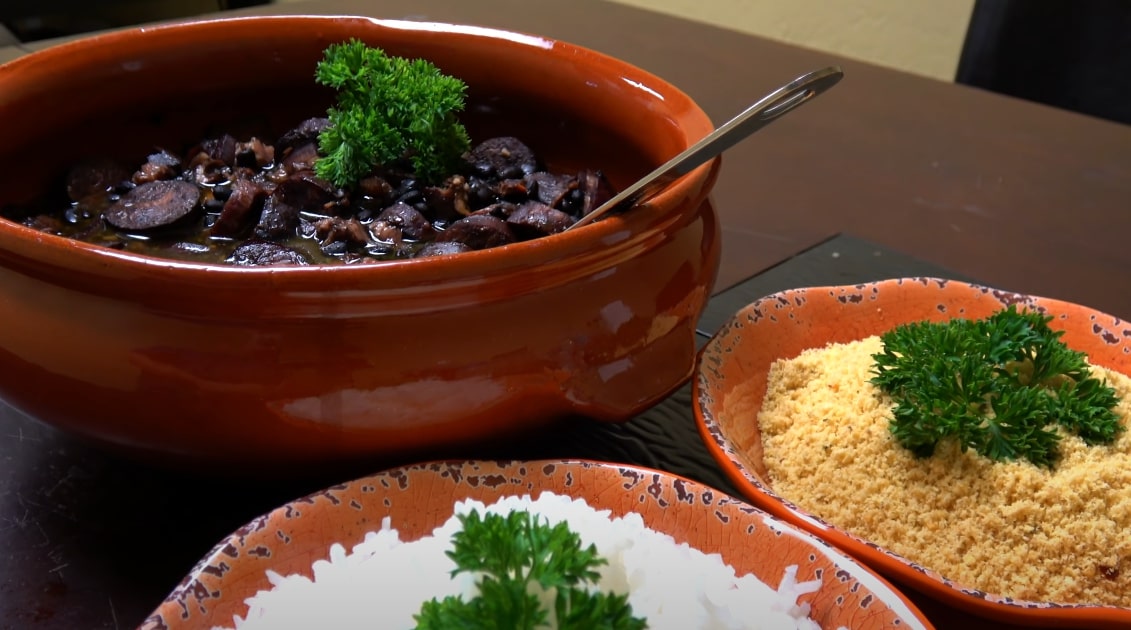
column 419, row 498
column 731, row 381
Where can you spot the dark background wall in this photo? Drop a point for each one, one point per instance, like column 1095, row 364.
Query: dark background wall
column 1070, row 54
column 31, row 20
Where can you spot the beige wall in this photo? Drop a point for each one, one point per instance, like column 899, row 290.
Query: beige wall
column 920, row 36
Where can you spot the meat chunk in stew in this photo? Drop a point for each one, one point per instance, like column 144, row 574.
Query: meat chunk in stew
column 244, row 201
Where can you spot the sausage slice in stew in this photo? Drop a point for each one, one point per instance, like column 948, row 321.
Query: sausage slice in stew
column 152, row 205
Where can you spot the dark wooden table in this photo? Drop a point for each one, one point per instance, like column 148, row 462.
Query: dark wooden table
column 929, row 177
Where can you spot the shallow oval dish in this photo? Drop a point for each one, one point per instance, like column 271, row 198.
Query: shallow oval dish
column 731, row 381
column 421, row 497
column 189, row 364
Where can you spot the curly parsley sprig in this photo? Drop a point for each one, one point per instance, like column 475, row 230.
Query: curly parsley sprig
column 513, row 552
column 998, row 385
column 388, row 109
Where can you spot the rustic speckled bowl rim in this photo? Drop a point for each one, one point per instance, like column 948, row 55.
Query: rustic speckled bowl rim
column 924, row 579
column 614, row 233
column 218, row 560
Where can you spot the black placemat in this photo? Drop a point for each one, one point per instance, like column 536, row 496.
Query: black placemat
column 842, row 259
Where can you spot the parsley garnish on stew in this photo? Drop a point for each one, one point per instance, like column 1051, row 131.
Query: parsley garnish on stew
column 388, row 109
column 998, row 385
column 512, row 553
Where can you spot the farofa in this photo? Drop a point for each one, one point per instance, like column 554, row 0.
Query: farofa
column 1011, row 528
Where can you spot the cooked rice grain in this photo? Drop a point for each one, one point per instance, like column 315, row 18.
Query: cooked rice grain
column 384, row 581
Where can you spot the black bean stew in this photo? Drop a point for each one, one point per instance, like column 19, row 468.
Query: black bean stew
column 247, row 202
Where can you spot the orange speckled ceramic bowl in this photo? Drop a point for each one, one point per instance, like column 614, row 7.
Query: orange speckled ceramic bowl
column 267, row 367
column 731, row 381
column 420, row 498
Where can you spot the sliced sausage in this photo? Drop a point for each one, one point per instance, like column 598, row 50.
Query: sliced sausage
column 263, row 253
column 534, row 218
column 478, row 231
column 398, row 221
column 504, row 157
column 152, row 205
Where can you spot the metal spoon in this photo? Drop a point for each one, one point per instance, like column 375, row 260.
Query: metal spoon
column 758, row 115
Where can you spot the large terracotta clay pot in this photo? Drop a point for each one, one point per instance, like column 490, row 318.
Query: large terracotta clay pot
column 278, row 366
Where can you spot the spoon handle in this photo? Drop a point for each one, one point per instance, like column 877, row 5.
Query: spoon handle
column 758, row 115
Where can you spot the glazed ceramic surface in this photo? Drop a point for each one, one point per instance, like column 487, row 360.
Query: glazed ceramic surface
column 731, row 379
column 420, row 498
column 275, row 366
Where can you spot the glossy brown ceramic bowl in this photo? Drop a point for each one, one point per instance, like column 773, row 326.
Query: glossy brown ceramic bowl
column 419, row 498
column 731, row 381
column 284, row 365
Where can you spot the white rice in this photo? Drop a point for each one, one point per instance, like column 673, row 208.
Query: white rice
column 384, row 581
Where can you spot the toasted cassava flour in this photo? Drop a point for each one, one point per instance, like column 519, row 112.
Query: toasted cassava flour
column 1008, row 528
column 383, row 582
